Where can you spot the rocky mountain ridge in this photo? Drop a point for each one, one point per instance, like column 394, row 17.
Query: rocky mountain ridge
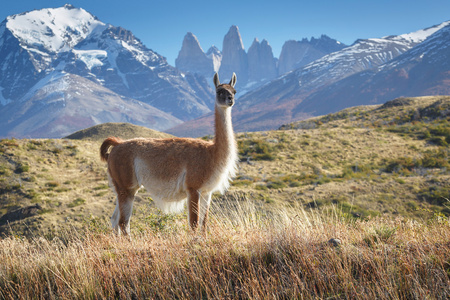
column 256, row 66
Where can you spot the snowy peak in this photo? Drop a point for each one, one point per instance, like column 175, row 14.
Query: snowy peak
column 53, row 29
column 433, row 50
column 419, row 36
column 364, row 54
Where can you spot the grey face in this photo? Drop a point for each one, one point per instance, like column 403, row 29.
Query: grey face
column 225, row 95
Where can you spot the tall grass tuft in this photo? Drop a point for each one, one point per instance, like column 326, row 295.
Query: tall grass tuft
column 247, row 253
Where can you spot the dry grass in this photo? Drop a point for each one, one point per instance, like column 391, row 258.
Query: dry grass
column 246, row 254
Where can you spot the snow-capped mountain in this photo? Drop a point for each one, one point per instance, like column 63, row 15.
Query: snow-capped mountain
column 423, row 70
column 369, row 71
column 290, row 90
column 67, row 40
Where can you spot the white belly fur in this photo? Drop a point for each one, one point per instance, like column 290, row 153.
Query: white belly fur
column 169, row 195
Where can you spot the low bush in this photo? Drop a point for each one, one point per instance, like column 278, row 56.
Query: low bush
column 76, row 202
column 255, row 149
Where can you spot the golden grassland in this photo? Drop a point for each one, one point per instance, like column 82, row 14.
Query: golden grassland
column 286, row 254
column 376, row 177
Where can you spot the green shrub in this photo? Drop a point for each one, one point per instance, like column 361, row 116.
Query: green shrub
column 46, row 211
column 255, row 150
column 356, row 170
column 435, row 159
column 276, row 184
column 295, row 184
column 52, row 184
column 101, row 187
column 401, row 164
column 32, row 195
column 437, row 195
column 4, row 170
column 9, row 142
column 261, row 187
column 76, row 202
column 322, row 180
column 244, row 182
column 437, row 140
column 22, row 168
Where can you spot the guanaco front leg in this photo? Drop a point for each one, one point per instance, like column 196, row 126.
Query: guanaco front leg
column 205, row 201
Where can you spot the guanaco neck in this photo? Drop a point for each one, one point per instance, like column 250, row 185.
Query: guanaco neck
column 224, row 143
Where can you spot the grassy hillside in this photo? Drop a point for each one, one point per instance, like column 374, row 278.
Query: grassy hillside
column 122, row 130
column 385, row 160
column 344, row 206
column 390, row 160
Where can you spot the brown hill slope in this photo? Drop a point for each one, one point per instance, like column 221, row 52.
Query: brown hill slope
column 122, row 130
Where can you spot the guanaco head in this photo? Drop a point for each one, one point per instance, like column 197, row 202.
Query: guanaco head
column 225, row 92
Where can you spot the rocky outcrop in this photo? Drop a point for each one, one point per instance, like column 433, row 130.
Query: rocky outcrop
column 261, row 63
column 234, row 58
column 191, row 57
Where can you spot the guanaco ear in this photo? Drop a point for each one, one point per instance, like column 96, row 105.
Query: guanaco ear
column 216, row 80
column 233, row 80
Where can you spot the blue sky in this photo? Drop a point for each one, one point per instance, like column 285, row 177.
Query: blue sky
column 162, row 24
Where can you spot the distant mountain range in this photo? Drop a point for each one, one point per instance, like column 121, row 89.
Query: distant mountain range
column 62, row 70
column 370, row 71
column 254, row 67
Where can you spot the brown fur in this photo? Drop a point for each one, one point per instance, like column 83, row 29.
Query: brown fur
column 182, row 166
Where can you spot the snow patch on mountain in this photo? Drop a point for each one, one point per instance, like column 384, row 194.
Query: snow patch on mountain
column 92, row 58
column 55, row 82
column 216, row 56
column 3, row 100
column 362, row 55
column 438, row 41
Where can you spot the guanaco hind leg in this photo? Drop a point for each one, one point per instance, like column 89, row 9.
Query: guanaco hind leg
column 120, row 219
